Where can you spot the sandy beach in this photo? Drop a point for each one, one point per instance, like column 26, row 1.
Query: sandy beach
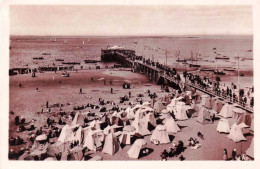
column 27, row 102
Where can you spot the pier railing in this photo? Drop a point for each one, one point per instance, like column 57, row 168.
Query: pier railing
column 162, row 73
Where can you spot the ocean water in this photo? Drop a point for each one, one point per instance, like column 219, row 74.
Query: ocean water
column 205, row 48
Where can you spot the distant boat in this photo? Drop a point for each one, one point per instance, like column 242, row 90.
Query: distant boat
column 246, row 58
column 222, row 57
column 59, row 59
column 54, row 40
column 241, row 74
column 83, row 43
column 181, row 60
column 194, row 65
column 71, row 63
column 65, row 42
column 45, row 53
column 38, row 58
column 206, row 69
column 219, row 72
column 229, row 69
column 249, row 50
column 90, row 61
column 65, row 74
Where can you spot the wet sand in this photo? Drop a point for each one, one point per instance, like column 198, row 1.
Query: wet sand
column 26, row 102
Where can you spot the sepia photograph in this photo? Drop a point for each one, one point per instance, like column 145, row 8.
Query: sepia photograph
column 130, row 83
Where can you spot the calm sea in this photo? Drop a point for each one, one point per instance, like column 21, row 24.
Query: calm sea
column 204, row 48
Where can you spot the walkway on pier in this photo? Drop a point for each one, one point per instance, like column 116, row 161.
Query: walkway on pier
column 162, row 73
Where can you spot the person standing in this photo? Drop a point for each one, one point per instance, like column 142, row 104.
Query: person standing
column 234, row 154
column 225, row 155
column 80, row 91
column 111, row 90
column 47, row 104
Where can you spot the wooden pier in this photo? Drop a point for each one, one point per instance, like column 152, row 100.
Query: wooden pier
column 128, row 58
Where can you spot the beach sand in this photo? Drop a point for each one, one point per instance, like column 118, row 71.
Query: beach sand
column 26, row 102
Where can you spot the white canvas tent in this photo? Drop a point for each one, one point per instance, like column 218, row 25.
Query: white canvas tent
column 111, row 145
column 160, row 134
column 203, row 115
column 78, row 119
column 125, row 137
column 91, row 140
column 235, row 133
column 223, row 126
column 180, row 111
column 66, row 134
column 134, row 151
column 171, row 125
column 226, row 111
column 141, row 126
column 250, row 150
column 79, row 135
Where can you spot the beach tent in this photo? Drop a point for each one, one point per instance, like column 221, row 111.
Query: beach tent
column 250, row 150
column 111, row 145
column 180, row 111
column 197, row 98
column 223, row 126
column 252, row 124
column 78, row 119
column 134, row 151
column 141, row 126
column 235, row 133
column 92, row 139
column 203, row 99
column 171, row 125
column 66, row 134
column 226, row 111
column 158, row 106
column 203, row 115
column 217, row 106
column 160, row 134
column 79, row 135
column 125, row 137
column 245, row 118
column 150, row 119
column 208, row 103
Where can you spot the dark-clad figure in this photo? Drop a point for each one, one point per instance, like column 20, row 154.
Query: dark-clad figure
column 47, row 104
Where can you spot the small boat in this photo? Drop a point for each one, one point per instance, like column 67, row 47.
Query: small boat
column 222, row 57
column 65, row 74
column 247, row 58
column 90, row 61
column 205, row 69
column 38, row 58
column 194, row 65
column 71, row 63
column 229, row 69
column 219, row 72
column 59, row 59
column 241, row 74
column 181, row 60
column 45, row 53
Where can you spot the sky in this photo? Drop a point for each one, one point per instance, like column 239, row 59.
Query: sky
column 73, row 20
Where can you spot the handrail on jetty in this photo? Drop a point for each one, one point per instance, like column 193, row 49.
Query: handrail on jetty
column 128, row 59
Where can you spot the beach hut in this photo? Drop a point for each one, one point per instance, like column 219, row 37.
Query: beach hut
column 125, row 137
column 250, row 151
column 223, row 126
column 171, row 125
column 66, row 134
column 245, row 118
column 78, row 119
column 180, row 111
column 134, row 151
column 217, row 106
column 252, row 124
column 79, row 135
column 111, row 144
column 160, row 135
column 92, row 139
column 226, row 111
column 141, row 126
column 235, row 133
column 203, row 115
column 150, row 119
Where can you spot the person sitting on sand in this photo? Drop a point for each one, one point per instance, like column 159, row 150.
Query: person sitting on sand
column 16, row 119
column 164, row 155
